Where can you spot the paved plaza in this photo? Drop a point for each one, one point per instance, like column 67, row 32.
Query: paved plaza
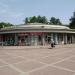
column 40, row 60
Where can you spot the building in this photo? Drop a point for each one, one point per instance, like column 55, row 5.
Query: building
column 36, row 34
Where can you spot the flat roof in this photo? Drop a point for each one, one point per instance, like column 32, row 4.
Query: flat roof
column 35, row 27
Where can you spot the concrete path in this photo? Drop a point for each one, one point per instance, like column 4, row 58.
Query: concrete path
column 38, row 60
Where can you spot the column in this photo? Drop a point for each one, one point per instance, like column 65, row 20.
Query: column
column 51, row 35
column 72, row 38
column 43, row 39
column 1, row 40
column 32, row 39
column 16, row 39
column 65, row 38
column 36, row 40
column 56, row 38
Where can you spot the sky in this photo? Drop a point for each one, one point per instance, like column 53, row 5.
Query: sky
column 15, row 11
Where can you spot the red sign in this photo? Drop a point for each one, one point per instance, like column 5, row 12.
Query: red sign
column 22, row 34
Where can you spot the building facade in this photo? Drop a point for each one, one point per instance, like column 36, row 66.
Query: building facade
column 36, row 34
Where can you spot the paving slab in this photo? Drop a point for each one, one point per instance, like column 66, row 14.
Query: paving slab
column 51, row 71
column 49, row 59
column 8, row 71
column 27, row 66
column 65, row 55
column 2, row 64
column 14, row 60
column 72, row 59
column 67, row 65
column 41, row 60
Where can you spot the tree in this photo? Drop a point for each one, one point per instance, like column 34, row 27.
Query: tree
column 39, row 19
column 33, row 19
column 72, row 21
column 26, row 20
column 58, row 22
column 3, row 24
column 55, row 21
column 52, row 20
column 44, row 20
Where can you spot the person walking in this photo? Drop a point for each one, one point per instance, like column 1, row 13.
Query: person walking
column 52, row 43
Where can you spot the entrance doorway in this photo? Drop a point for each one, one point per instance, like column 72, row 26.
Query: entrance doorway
column 24, row 39
column 39, row 40
column 21, row 40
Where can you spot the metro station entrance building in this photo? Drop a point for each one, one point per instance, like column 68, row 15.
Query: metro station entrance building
column 36, row 34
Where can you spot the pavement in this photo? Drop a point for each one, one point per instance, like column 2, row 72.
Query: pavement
column 38, row 60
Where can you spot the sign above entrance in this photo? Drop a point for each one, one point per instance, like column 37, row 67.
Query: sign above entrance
column 22, row 34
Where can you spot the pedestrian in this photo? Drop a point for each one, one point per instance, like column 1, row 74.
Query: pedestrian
column 52, row 43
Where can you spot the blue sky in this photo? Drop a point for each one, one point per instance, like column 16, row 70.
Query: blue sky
column 14, row 11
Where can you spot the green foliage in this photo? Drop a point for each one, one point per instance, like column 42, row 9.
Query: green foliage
column 55, row 21
column 34, row 19
column 72, row 21
column 3, row 24
column 26, row 20
column 42, row 19
column 39, row 19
